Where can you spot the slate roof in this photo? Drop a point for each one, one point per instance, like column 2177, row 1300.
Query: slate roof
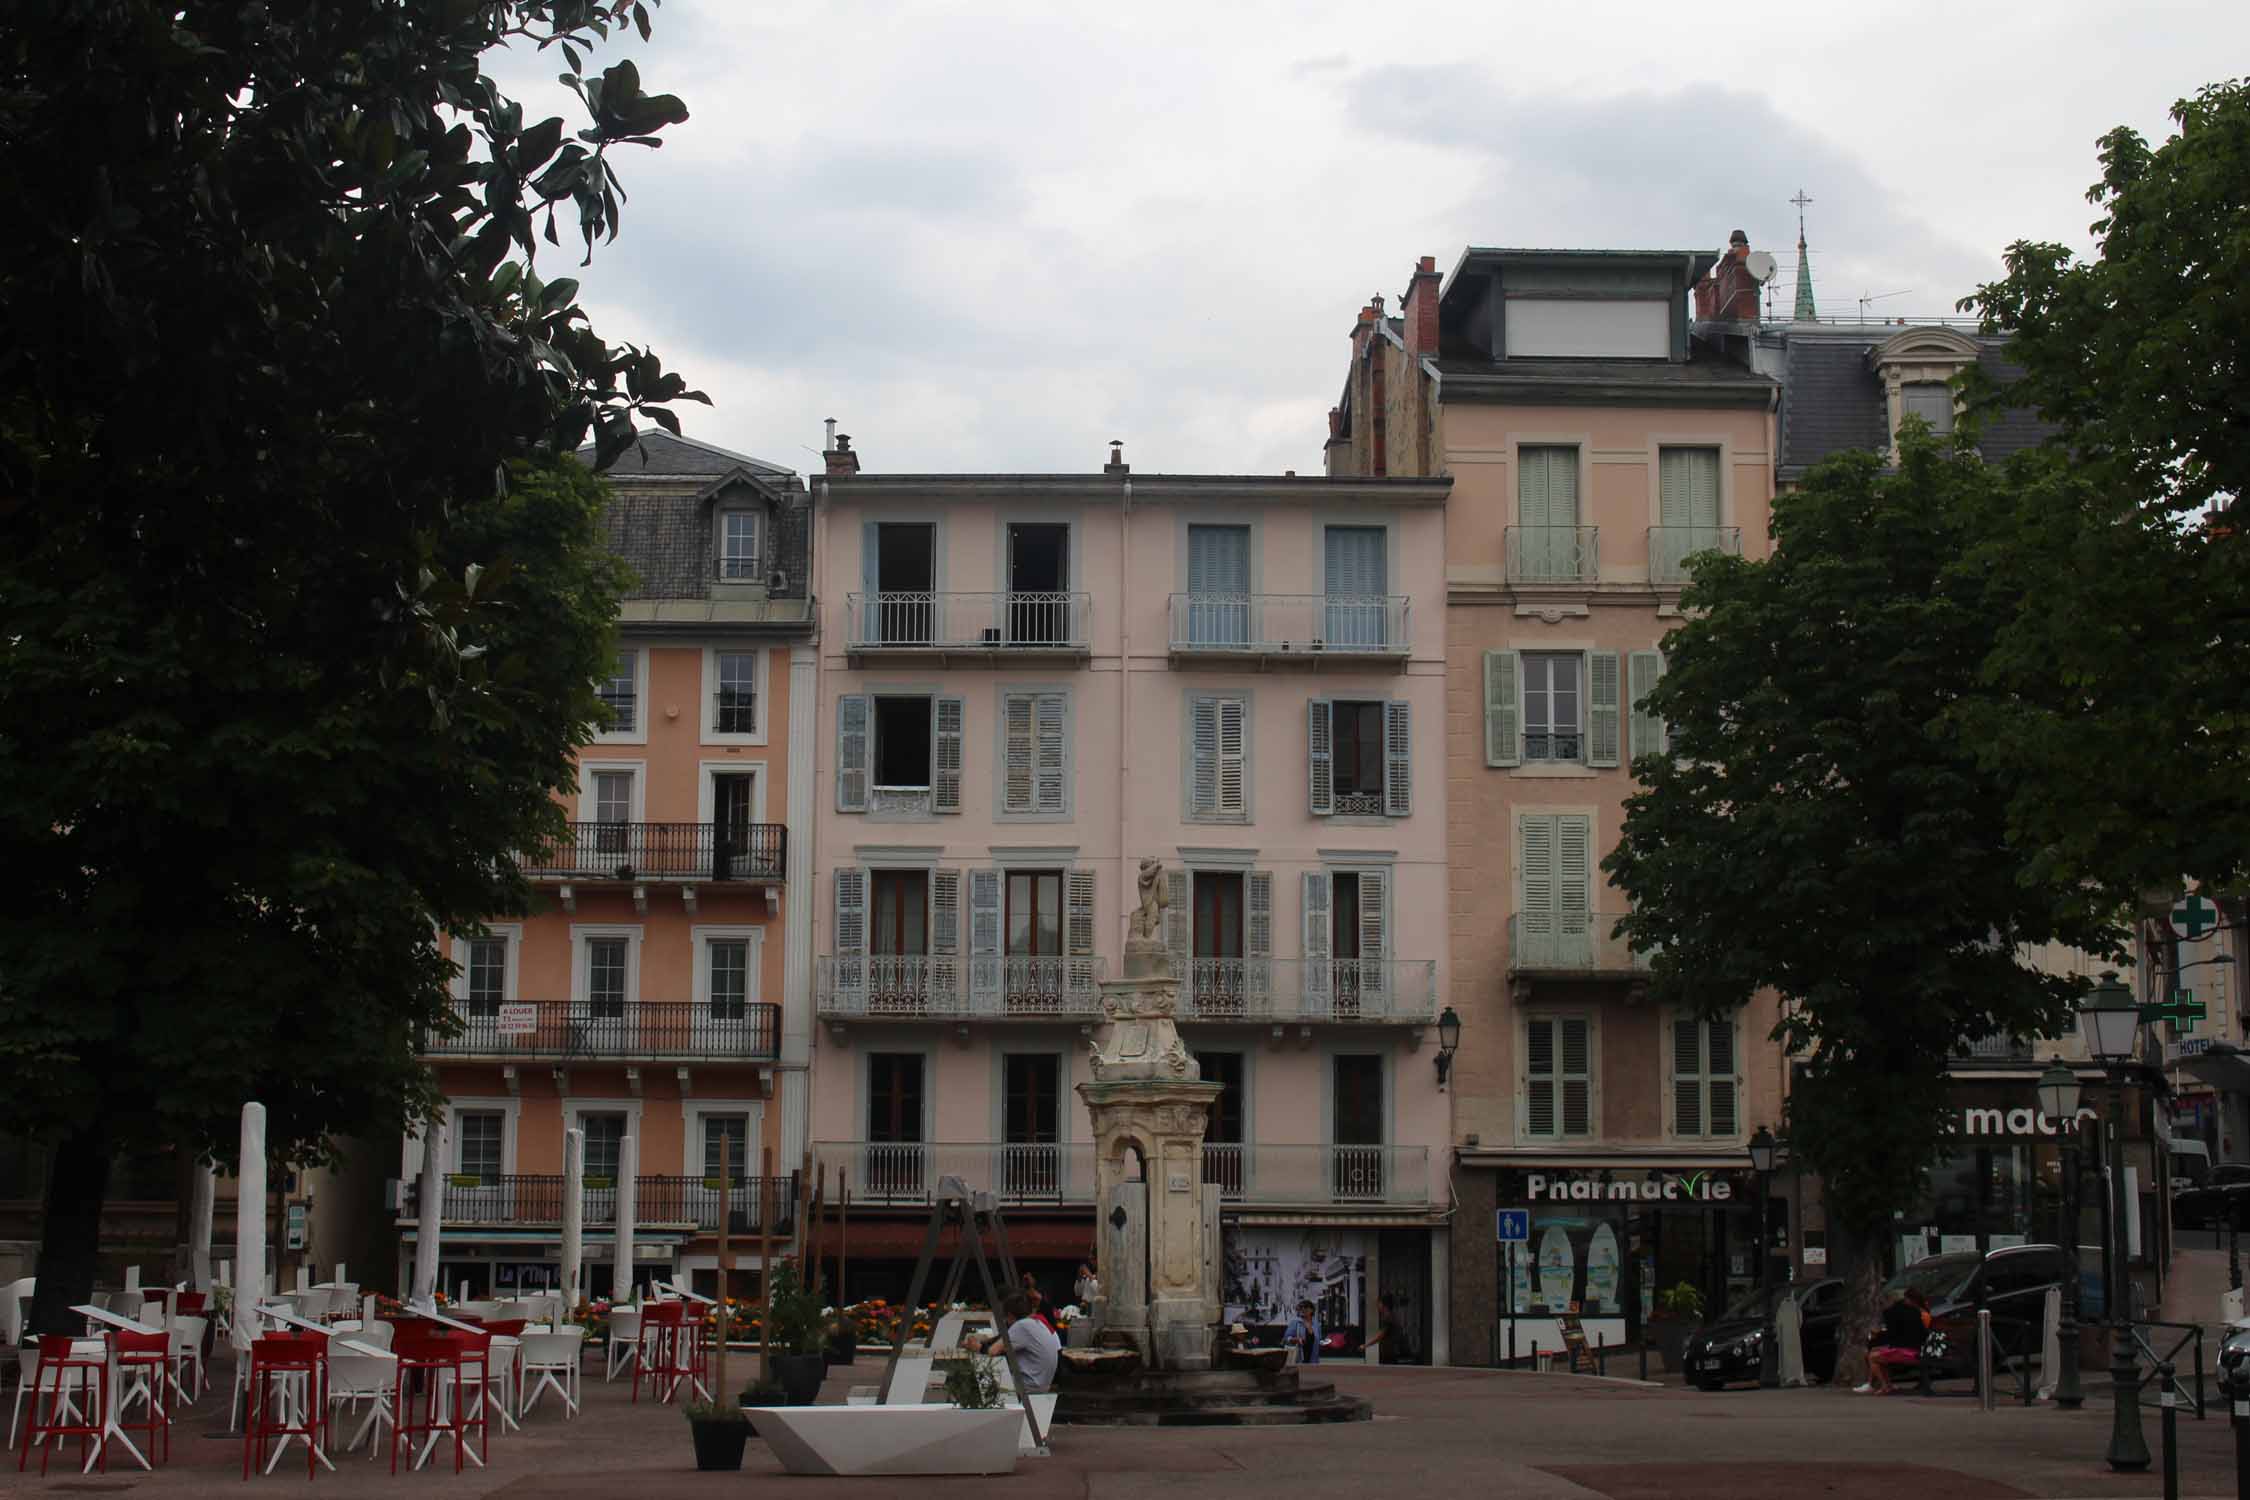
column 1704, row 377
column 1832, row 400
column 659, row 518
column 661, row 453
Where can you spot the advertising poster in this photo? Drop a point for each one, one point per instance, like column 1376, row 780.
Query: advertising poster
column 1270, row 1270
column 1579, row 1260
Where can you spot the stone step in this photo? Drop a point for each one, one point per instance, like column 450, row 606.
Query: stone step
column 1340, row 1409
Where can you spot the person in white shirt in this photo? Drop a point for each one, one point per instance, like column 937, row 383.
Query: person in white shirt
column 1036, row 1348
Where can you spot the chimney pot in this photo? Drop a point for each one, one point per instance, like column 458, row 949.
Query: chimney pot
column 842, row 462
column 1117, row 464
column 831, row 444
column 1429, row 263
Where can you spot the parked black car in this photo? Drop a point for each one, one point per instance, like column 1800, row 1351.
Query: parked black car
column 2220, row 1201
column 1732, row 1348
column 2011, row 1282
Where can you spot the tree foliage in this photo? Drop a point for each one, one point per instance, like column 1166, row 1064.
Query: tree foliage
column 2118, row 713
column 300, row 594
column 1820, row 829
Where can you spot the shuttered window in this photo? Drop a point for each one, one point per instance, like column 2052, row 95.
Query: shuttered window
column 1035, row 754
column 1503, row 708
column 1558, row 1077
column 1647, row 736
column 1547, row 539
column 1359, row 757
column 853, row 711
column 1218, row 752
column 1554, row 861
column 1687, row 483
column 1706, row 1088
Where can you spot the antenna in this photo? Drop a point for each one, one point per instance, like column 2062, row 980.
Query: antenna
column 1866, row 297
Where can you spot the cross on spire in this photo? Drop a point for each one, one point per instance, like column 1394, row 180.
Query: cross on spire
column 1804, row 311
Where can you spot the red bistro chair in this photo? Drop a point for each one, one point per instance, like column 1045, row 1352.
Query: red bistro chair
column 288, row 1398
column 665, row 1355
column 72, row 1378
column 144, row 1368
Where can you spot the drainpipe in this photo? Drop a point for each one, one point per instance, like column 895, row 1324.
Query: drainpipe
column 1125, row 874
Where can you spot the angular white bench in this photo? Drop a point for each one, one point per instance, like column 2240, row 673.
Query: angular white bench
column 923, row 1439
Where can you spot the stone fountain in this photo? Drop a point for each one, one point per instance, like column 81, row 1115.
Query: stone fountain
column 1157, row 1241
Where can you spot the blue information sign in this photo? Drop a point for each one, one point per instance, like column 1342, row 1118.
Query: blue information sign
column 1511, row 1226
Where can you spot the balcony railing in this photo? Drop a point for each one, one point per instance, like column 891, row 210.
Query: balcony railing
column 662, row 851
column 1309, row 989
column 1997, row 1049
column 1311, row 626
column 535, row 1199
column 923, row 621
column 902, row 1174
column 1570, row 942
column 947, row 988
column 1553, row 554
column 587, row 1031
column 1670, row 547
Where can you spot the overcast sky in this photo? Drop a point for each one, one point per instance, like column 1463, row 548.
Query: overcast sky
column 993, row 237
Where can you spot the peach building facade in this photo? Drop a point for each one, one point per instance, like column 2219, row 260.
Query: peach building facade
column 1597, row 440
column 648, row 995
column 1031, row 683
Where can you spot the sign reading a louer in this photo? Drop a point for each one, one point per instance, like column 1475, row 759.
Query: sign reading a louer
column 517, row 1020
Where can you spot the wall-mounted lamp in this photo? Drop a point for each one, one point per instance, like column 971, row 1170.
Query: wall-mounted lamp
column 1448, row 1042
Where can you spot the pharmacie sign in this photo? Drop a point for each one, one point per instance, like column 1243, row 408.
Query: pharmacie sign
column 1655, row 1187
column 2022, row 1120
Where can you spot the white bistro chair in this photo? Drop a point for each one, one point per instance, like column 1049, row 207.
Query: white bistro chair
column 624, row 1339
column 354, row 1378
column 550, row 1361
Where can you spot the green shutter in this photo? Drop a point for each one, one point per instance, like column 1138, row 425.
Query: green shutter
column 1601, row 708
column 1503, row 708
column 1646, row 734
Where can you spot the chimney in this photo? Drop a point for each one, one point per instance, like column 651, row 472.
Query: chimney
column 1729, row 293
column 842, row 462
column 1117, row 464
column 829, row 445
column 1419, row 308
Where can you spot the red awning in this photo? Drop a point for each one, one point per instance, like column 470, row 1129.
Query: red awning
column 896, row 1239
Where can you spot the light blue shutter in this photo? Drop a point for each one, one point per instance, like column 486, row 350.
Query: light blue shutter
column 1573, row 887
column 1078, row 937
column 1646, row 736
column 1176, row 917
column 1601, row 708
column 1050, row 742
column 1503, row 708
column 1534, row 934
column 1356, row 575
column 1321, row 755
column 945, row 939
column 1317, row 903
column 1015, row 752
column 1219, row 585
column 946, row 715
column 1398, row 758
column 851, row 938
column 1257, row 940
column 1374, row 941
column 984, row 940
column 852, row 714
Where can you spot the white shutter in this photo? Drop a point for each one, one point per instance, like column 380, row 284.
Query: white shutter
column 1320, row 739
column 945, row 939
column 984, row 940
column 1503, row 708
column 1539, row 1077
column 1078, row 933
column 1535, row 918
column 1574, row 871
column 1203, row 757
column 1577, row 1075
column 1317, row 905
column 851, row 937
column 946, row 715
column 852, row 711
column 1016, row 752
column 1601, row 708
column 1050, row 736
column 1176, row 918
column 1257, row 940
column 1687, row 1076
column 1398, row 758
column 1719, row 1067
column 1374, row 941
column 1646, row 736
column 1234, row 728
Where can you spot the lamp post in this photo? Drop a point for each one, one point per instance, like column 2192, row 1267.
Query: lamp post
column 2058, row 1101
column 1448, row 1043
column 1761, row 1161
column 2111, row 1023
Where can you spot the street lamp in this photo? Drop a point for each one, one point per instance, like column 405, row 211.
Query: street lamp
column 1448, row 1042
column 2111, row 1023
column 1762, row 1148
column 2058, row 1101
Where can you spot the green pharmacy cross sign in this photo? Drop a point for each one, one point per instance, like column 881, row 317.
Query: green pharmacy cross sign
column 2181, row 1009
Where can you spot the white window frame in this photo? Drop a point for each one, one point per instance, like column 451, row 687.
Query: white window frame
column 1593, row 1020
column 760, row 540
column 510, row 933
column 637, row 769
column 1672, row 1017
column 707, row 794
column 700, row 937
column 638, row 734
column 581, row 967
column 508, row 1107
column 1188, row 702
column 759, row 685
column 1033, row 691
column 576, row 1105
column 1584, row 694
column 692, row 1113
column 1660, row 441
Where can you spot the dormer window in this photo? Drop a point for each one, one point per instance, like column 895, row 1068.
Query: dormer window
column 738, row 547
column 1932, row 402
column 1918, row 367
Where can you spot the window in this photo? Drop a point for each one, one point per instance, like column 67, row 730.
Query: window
column 1355, row 579
column 1217, row 930
column 726, row 1146
column 1704, row 1085
column 605, row 1130
column 1932, row 403
column 1551, row 725
column 613, row 811
column 730, row 978
column 1219, row 585
column 1687, row 511
column 898, row 753
column 1361, row 757
column 899, row 565
column 1035, row 758
column 738, row 546
column 606, row 977
column 1554, row 858
column 902, row 743
column 734, row 815
column 1356, row 1130
column 478, row 1136
column 1034, row 914
column 486, row 976
column 735, row 708
column 1218, row 753
column 894, row 1096
column 900, row 926
column 1347, row 942
column 1039, row 602
column 1558, row 1085
column 620, row 694
column 1223, row 1134
column 1549, row 546
column 1030, row 1120
column 1590, row 328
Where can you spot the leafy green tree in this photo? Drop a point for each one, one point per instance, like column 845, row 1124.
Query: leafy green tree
column 1819, row 829
column 2120, row 716
column 301, row 596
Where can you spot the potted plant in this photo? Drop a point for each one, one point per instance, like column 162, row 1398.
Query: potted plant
column 798, row 1331
column 973, row 1382
column 1679, row 1308
column 719, row 1432
column 843, row 1339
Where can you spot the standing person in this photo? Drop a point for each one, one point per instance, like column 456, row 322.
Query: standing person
column 1036, row 1348
column 1906, row 1324
column 1390, row 1332
column 1087, row 1287
column 1303, row 1334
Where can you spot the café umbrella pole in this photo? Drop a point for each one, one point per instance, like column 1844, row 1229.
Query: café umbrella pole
column 203, row 1210
column 429, row 1213
column 249, row 1229
column 628, row 1208
column 573, row 1214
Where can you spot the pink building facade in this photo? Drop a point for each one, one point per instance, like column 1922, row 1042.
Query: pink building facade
column 1029, row 684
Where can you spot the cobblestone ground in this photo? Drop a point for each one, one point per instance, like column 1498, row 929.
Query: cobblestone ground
column 1437, row 1434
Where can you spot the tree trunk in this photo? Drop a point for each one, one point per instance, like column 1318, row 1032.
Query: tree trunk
column 1859, row 1259
column 71, row 1233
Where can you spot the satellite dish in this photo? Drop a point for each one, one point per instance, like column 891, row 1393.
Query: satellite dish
column 1760, row 265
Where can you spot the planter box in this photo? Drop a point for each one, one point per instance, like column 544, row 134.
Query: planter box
column 719, row 1444
column 891, row 1439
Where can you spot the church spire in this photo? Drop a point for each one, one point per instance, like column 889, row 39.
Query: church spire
column 1804, row 312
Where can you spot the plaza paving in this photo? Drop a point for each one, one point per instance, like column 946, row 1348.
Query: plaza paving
column 1437, row 1434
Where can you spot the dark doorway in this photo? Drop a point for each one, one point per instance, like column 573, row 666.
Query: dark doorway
column 1031, row 1087
column 1356, row 1125
column 1223, row 1134
column 898, row 940
column 902, row 744
column 905, row 568
column 1039, row 612
column 894, row 1123
column 1403, row 1274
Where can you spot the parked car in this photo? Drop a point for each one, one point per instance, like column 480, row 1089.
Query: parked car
column 2220, row 1201
column 2235, row 1350
column 1732, row 1347
column 2011, row 1282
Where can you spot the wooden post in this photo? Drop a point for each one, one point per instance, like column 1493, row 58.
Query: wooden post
column 719, row 1393
column 812, row 1258
column 765, row 1267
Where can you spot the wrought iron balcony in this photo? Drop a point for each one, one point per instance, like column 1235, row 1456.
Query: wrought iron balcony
column 1571, row 944
column 2002, row 1050
column 536, row 1199
column 1309, row 990
column 1670, row 547
column 1553, row 554
column 589, row 1031
column 1014, row 625
column 1305, row 628
column 951, row 989
column 902, row 1174
column 635, row 852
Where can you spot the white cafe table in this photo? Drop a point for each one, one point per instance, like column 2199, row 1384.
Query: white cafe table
column 110, row 1430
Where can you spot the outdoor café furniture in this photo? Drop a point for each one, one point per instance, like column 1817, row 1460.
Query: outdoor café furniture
column 186, row 1358
column 360, row 1371
column 144, row 1375
column 452, row 1367
column 668, row 1349
column 550, row 1361
column 288, row 1390
column 69, row 1399
column 624, row 1340
column 27, row 1362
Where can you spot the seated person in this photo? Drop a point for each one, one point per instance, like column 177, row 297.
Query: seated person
column 1036, row 1348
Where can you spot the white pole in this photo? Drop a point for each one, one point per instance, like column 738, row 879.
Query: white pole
column 628, row 1205
column 304, row 1277
column 574, row 1213
column 249, row 1226
column 203, row 1206
column 430, row 1213
column 339, row 1273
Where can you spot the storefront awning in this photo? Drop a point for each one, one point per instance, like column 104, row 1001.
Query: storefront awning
column 2222, row 1065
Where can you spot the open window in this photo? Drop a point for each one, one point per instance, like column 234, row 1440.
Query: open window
column 1039, row 609
column 898, row 752
column 1361, row 757
column 900, row 564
